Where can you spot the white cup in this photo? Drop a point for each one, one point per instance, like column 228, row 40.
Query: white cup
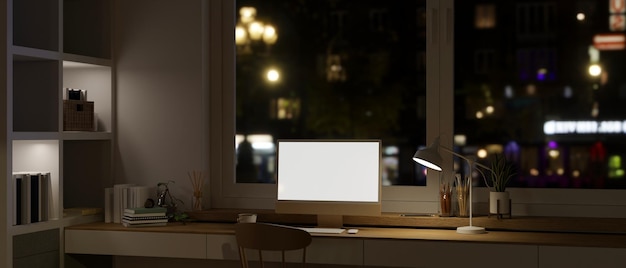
column 246, row 218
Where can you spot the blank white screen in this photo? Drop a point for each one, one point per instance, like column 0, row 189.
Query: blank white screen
column 329, row 171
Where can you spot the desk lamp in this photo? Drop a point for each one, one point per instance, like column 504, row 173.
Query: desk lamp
column 430, row 158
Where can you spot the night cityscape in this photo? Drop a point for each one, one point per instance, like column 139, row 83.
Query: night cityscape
column 536, row 81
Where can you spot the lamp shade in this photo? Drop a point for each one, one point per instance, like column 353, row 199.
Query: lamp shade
column 429, row 156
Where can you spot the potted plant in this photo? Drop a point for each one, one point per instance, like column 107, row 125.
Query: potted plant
column 502, row 170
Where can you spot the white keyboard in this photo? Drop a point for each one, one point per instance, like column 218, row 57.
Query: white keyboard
column 323, row 230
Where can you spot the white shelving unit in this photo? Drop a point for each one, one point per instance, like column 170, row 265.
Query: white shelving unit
column 52, row 45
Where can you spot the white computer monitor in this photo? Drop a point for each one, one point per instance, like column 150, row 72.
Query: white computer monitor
column 329, row 178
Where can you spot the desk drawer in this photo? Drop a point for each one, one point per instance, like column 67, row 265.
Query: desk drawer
column 148, row 244
column 399, row 253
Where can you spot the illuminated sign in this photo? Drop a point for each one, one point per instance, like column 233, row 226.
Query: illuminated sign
column 617, row 6
column 554, row 127
column 617, row 15
column 617, row 22
column 609, row 41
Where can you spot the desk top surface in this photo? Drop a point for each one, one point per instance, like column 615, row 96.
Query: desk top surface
column 395, row 233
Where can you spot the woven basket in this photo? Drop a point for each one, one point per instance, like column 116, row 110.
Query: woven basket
column 78, row 115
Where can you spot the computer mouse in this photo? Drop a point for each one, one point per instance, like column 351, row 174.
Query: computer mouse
column 353, row 231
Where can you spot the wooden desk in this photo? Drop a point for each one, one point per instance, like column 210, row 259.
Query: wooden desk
column 391, row 247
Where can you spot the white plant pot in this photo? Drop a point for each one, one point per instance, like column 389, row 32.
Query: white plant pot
column 505, row 205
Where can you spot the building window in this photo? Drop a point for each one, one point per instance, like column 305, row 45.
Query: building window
column 378, row 20
column 535, row 19
column 285, row 108
column 537, row 64
column 337, row 21
column 484, row 61
column 485, row 16
column 335, row 70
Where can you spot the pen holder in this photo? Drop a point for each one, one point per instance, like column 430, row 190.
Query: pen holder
column 462, row 200
column 445, row 200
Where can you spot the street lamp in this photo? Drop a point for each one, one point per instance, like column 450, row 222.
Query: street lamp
column 250, row 30
column 272, row 75
column 595, row 70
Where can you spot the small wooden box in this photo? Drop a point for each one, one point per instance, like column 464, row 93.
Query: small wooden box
column 78, row 115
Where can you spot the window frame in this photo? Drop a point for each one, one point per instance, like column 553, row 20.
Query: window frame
column 219, row 58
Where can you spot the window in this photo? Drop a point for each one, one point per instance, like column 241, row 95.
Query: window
column 485, row 17
column 484, row 61
column 386, row 97
column 285, row 108
column 337, row 21
column 542, row 108
column 537, row 64
column 335, row 71
column 536, row 19
column 525, row 116
column 368, row 86
column 378, row 19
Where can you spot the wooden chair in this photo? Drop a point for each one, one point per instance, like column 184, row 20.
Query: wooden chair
column 270, row 237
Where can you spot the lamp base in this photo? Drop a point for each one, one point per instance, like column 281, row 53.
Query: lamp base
column 470, row 230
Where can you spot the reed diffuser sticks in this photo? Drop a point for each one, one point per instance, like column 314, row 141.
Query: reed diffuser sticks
column 197, row 183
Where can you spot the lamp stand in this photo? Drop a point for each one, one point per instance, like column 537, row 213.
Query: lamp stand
column 470, row 229
column 430, row 158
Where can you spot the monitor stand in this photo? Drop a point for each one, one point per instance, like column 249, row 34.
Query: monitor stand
column 330, row 221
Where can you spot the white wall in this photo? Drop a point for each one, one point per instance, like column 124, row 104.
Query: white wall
column 159, row 93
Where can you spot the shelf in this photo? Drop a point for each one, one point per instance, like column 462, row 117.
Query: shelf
column 29, row 54
column 39, row 156
column 87, row 28
column 86, row 172
column 35, row 96
column 80, row 61
column 35, row 135
column 34, row 227
column 81, row 135
column 52, row 45
column 36, row 24
column 97, row 81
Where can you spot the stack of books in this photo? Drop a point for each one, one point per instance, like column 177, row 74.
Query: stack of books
column 144, row 217
column 31, row 197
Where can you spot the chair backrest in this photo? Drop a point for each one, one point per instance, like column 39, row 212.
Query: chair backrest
column 270, row 237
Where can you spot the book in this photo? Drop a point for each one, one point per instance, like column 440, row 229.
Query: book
column 118, row 201
column 141, row 210
column 25, row 198
column 143, row 218
column 45, row 188
column 17, row 199
column 137, row 221
column 139, row 194
column 75, row 94
column 32, row 194
column 82, row 211
column 157, row 214
column 108, row 204
column 35, row 203
column 125, row 224
column 144, row 221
